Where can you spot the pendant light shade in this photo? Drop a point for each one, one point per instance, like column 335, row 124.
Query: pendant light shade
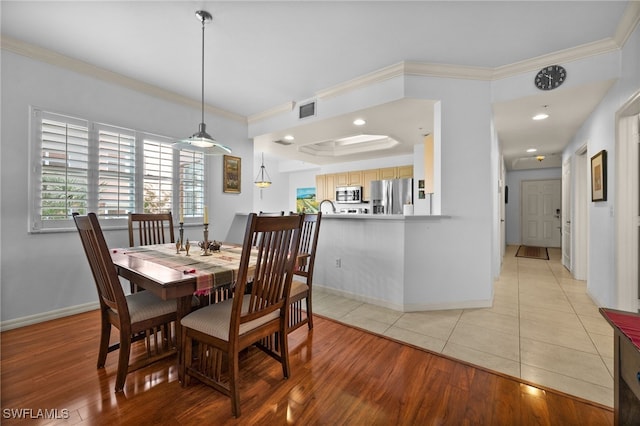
column 263, row 180
column 201, row 140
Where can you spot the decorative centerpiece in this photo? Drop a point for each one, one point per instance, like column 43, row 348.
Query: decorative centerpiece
column 210, row 245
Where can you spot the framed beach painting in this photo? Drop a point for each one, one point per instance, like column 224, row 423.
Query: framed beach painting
column 231, row 174
column 599, row 176
column 306, row 201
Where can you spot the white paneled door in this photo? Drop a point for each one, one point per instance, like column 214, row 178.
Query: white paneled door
column 541, row 212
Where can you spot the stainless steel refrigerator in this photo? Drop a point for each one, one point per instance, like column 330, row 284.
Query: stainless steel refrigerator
column 389, row 196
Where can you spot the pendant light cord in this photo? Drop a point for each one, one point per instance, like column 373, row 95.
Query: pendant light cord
column 203, row 22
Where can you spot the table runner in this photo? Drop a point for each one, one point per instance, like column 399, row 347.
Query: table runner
column 217, row 270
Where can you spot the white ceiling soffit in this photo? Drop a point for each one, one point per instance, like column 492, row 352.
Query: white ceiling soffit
column 349, row 145
column 401, row 124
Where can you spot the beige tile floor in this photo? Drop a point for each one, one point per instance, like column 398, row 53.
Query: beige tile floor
column 543, row 327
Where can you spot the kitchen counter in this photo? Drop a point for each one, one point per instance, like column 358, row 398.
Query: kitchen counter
column 395, row 261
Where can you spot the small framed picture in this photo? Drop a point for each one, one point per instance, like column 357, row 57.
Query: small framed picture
column 231, row 174
column 599, row 176
column 421, row 184
column 421, row 194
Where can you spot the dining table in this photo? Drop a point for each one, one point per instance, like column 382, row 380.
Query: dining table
column 170, row 273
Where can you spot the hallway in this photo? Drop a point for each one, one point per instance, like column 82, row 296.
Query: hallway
column 542, row 327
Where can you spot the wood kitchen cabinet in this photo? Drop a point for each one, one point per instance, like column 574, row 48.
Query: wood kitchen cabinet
column 325, row 187
column 341, row 179
column 330, row 187
column 400, row 172
column 404, row 171
column 367, row 177
column 326, row 184
column 355, row 178
column 388, row 173
column 321, row 187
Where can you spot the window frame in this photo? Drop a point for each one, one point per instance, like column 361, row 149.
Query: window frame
column 35, row 222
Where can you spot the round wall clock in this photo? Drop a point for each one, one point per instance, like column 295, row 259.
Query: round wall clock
column 550, row 77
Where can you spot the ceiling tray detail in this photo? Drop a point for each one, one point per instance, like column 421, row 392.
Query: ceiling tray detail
column 349, row 145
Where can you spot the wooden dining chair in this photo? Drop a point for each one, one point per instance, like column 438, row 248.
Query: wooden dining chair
column 224, row 329
column 150, row 228
column 139, row 316
column 301, row 289
column 261, row 213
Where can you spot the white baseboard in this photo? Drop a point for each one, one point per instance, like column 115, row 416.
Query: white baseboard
column 360, row 298
column 406, row 307
column 46, row 316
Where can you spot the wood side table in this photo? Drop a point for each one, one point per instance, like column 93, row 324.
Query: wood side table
column 626, row 344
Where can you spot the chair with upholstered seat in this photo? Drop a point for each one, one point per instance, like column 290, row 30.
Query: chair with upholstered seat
column 301, row 289
column 261, row 213
column 224, row 329
column 150, row 228
column 139, row 316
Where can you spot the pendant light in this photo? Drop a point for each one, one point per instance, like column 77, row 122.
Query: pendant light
column 201, row 140
column 262, row 181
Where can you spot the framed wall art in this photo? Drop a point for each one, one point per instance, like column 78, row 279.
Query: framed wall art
column 231, row 174
column 306, row 201
column 599, row 176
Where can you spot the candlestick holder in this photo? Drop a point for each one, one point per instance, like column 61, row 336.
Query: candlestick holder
column 205, row 243
column 181, row 236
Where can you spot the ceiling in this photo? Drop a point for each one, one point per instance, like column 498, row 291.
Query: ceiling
column 263, row 54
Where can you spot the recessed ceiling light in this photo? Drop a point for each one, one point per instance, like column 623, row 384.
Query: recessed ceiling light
column 359, row 122
column 531, row 150
column 540, row 116
column 288, row 138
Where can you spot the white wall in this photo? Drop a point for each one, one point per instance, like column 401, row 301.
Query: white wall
column 277, row 196
column 513, row 207
column 599, row 133
column 466, row 153
column 465, row 184
column 41, row 273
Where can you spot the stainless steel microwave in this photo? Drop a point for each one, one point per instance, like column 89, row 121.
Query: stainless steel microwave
column 349, row 194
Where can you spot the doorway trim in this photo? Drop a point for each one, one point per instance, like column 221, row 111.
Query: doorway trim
column 626, row 209
column 580, row 214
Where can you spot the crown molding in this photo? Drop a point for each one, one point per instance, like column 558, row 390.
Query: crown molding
column 563, row 56
column 368, row 79
column 628, row 23
column 57, row 59
column 280, row 109
column 448, row 71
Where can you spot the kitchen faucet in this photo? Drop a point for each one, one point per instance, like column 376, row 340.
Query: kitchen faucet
column 333, row 206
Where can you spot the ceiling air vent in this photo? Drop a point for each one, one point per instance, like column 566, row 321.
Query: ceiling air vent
column 307, row 110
